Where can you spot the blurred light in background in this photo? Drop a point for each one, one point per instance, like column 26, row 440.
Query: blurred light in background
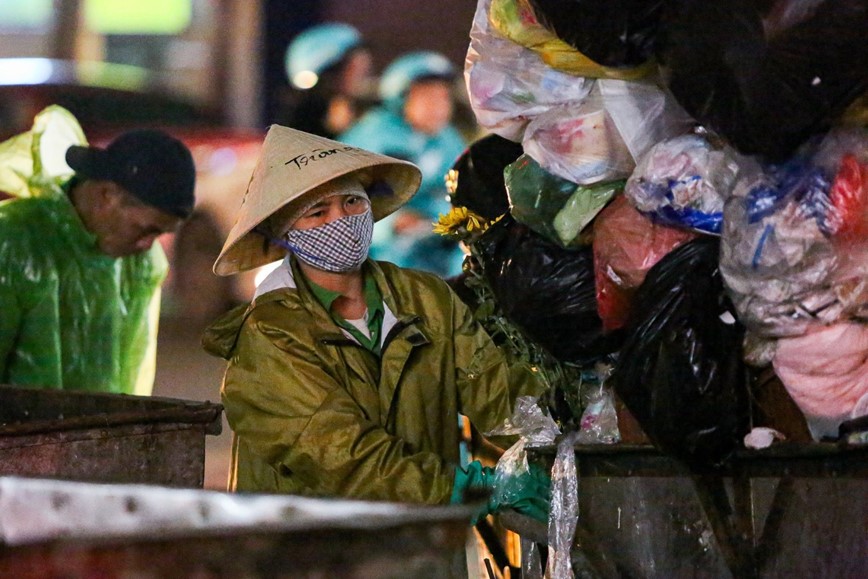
column 25, row 71
column 22, row 14
column 138, row 16
column 305, row 79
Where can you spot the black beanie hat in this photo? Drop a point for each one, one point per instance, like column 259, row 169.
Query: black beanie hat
column 155, row 167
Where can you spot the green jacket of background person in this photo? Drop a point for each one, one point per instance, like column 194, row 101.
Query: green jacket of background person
column 317, row 414
column 81, row 270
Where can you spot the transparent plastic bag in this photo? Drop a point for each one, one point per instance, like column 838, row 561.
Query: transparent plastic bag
column 555, row 208
column 536, row 429
column 599, row 422
column 601, row 137
column 685, row 181
column 617, row 33
column 515, row 20
column 782, row 259
column 508, row 85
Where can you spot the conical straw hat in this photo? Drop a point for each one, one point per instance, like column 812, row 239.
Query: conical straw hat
column 293, row 163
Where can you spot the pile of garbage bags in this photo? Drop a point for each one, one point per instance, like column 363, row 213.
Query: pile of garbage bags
column 686, row 184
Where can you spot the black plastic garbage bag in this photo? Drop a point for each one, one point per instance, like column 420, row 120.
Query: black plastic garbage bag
column 616, row 33
column 546, row 290
column 766, row 75
column 477, row 182
column 680, row 371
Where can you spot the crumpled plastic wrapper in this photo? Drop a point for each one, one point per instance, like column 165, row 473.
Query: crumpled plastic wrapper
column 762, row 437
column 685, row 181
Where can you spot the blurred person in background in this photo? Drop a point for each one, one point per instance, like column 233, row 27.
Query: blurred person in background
column 331, row 68
column 345, row 375
column 414, row 122
column 79, row 258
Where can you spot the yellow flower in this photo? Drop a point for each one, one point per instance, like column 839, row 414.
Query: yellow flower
column 460, row 221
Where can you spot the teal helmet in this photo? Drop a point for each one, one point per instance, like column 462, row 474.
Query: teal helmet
column 318, row 48
column 407, row 69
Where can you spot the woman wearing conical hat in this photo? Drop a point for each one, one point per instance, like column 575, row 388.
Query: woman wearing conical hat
column 345, row 375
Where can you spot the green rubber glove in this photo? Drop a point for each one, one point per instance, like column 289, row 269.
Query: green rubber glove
column 474, row 479
column 528, row 493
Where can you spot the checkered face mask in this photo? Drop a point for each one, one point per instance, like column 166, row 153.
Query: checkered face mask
column 339, row 246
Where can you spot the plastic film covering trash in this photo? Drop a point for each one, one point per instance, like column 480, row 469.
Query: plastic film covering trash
column 685, row 181
column 766, row 75
column 794, row 250
column 515, row 20
column 476, row 180
column 546, row 290
column 113, row 348
column 825, row 372
column 626, row 245
column 680, row 371
column 508, row 84
column 555, row 208
column 616, row 33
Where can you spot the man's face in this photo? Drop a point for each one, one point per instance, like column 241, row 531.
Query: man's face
column 428, row 107
column 126, row 226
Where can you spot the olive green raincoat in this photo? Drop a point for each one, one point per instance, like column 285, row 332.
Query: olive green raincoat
column 315, row 413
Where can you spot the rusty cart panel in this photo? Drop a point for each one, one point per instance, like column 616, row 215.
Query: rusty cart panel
column 104, row 437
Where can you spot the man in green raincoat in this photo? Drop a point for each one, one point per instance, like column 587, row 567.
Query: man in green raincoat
column 81, row 269
column 345, row 375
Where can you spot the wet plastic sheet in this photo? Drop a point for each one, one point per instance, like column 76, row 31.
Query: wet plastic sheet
column 766, row 80
column 535, row 429
column 680, row 371
column 546, row 290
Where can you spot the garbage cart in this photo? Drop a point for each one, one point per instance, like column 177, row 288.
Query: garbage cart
column 75, row 530
column 790, row 510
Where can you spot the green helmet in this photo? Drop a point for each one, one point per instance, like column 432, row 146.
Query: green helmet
column 318, row 48
column 407, row 69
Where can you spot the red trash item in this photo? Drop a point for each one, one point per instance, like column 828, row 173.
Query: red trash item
column 626, row 245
